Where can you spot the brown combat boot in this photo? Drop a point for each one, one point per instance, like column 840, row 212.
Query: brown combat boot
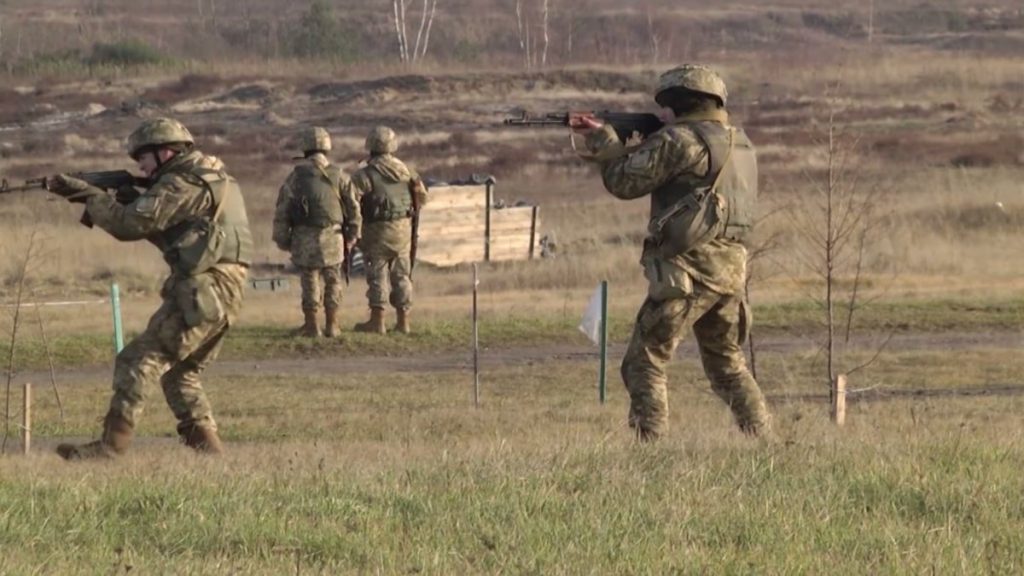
column 332, row 328
column 403, row 320
column 310, row 328
column 115, row 440
column 202, row 439
column 375, row 324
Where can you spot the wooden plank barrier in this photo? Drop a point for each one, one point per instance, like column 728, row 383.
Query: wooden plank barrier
column 459, row 225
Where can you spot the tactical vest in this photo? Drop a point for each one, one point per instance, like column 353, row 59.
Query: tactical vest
column 195, row 245
column 315, row 197
column 686, row 214
column 387, row 200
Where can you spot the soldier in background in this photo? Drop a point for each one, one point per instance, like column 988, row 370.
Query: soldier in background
column 389, row 195
column 701, row 174
column 194, row 212
column 317, row 219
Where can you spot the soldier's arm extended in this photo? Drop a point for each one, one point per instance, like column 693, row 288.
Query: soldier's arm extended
column 353, row 225
column 636, row 172
column 282, row 231
column 170, row 201
column 419, row 190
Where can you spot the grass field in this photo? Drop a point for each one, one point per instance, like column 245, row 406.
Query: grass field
column 398, row 473
column 366, row 455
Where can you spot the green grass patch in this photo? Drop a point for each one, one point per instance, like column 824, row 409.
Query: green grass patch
column 401, row 475
column 805, row 318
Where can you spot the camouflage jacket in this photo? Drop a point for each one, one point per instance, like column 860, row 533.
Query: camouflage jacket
column 674, row 152
column 314, row 247
column 165, row 207
column 392, row 169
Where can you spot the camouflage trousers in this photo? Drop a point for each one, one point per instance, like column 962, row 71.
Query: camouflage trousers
column 320, row 286
column 182, row 338
column 720, row 324
column 385, row 247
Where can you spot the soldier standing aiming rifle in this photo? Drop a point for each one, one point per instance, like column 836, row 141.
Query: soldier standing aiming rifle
column 317, row 219
column 701, row 174
column 390, row 195
column 193, row 211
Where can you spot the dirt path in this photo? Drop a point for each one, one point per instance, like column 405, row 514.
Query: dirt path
column 455, row 360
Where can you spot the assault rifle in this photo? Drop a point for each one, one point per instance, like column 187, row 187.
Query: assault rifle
column 416, row 188
column 123, row 182
column 624, row 123
column 346, row 264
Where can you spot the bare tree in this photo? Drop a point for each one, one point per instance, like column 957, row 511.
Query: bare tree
column 524, row 34
column 21, row 278
column 756, row 253
column 654, row 37
column 871, row 21
column 419, row 49
column 544, row 27
column 403, row 46
column 838, row 218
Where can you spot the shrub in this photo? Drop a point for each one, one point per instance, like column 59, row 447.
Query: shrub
column 319, row 35
column 125, row 53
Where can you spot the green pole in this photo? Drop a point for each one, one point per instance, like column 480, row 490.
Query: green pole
column 115, row 305
column 604, row 341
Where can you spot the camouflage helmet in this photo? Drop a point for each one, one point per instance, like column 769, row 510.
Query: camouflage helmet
column 315, row 138
column 695, row 78
column 382, row 140
column 158, row 132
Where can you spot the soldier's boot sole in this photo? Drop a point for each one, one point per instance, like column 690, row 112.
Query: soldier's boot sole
column 88, row 451
column 202, row 439
column 117, row 437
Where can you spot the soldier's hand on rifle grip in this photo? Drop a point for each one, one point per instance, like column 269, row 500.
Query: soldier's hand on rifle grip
column 584, row 123
column 126, row 194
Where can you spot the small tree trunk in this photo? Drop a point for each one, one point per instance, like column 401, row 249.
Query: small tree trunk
column 544, row 54
column 871, row 21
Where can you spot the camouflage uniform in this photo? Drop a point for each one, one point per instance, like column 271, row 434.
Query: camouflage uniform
column 701, row 288
column 195, row 214
column 316, row 213
column 386, row 186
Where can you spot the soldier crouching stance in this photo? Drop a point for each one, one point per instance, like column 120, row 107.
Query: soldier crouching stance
column 701, row 174
column 317, row 220
column 194, row 213
column 389, row 193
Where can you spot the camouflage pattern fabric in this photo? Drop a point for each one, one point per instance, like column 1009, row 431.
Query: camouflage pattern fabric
column 720, row 324
column 386, row 245
column 693, row 77
column 155, row 132
column 699, row 289
column 381, row 140
column 320, row 287
column 674, row 152
column 187, row 331
column 314, row 247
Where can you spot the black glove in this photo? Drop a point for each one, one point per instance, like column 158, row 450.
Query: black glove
column 72, row 189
